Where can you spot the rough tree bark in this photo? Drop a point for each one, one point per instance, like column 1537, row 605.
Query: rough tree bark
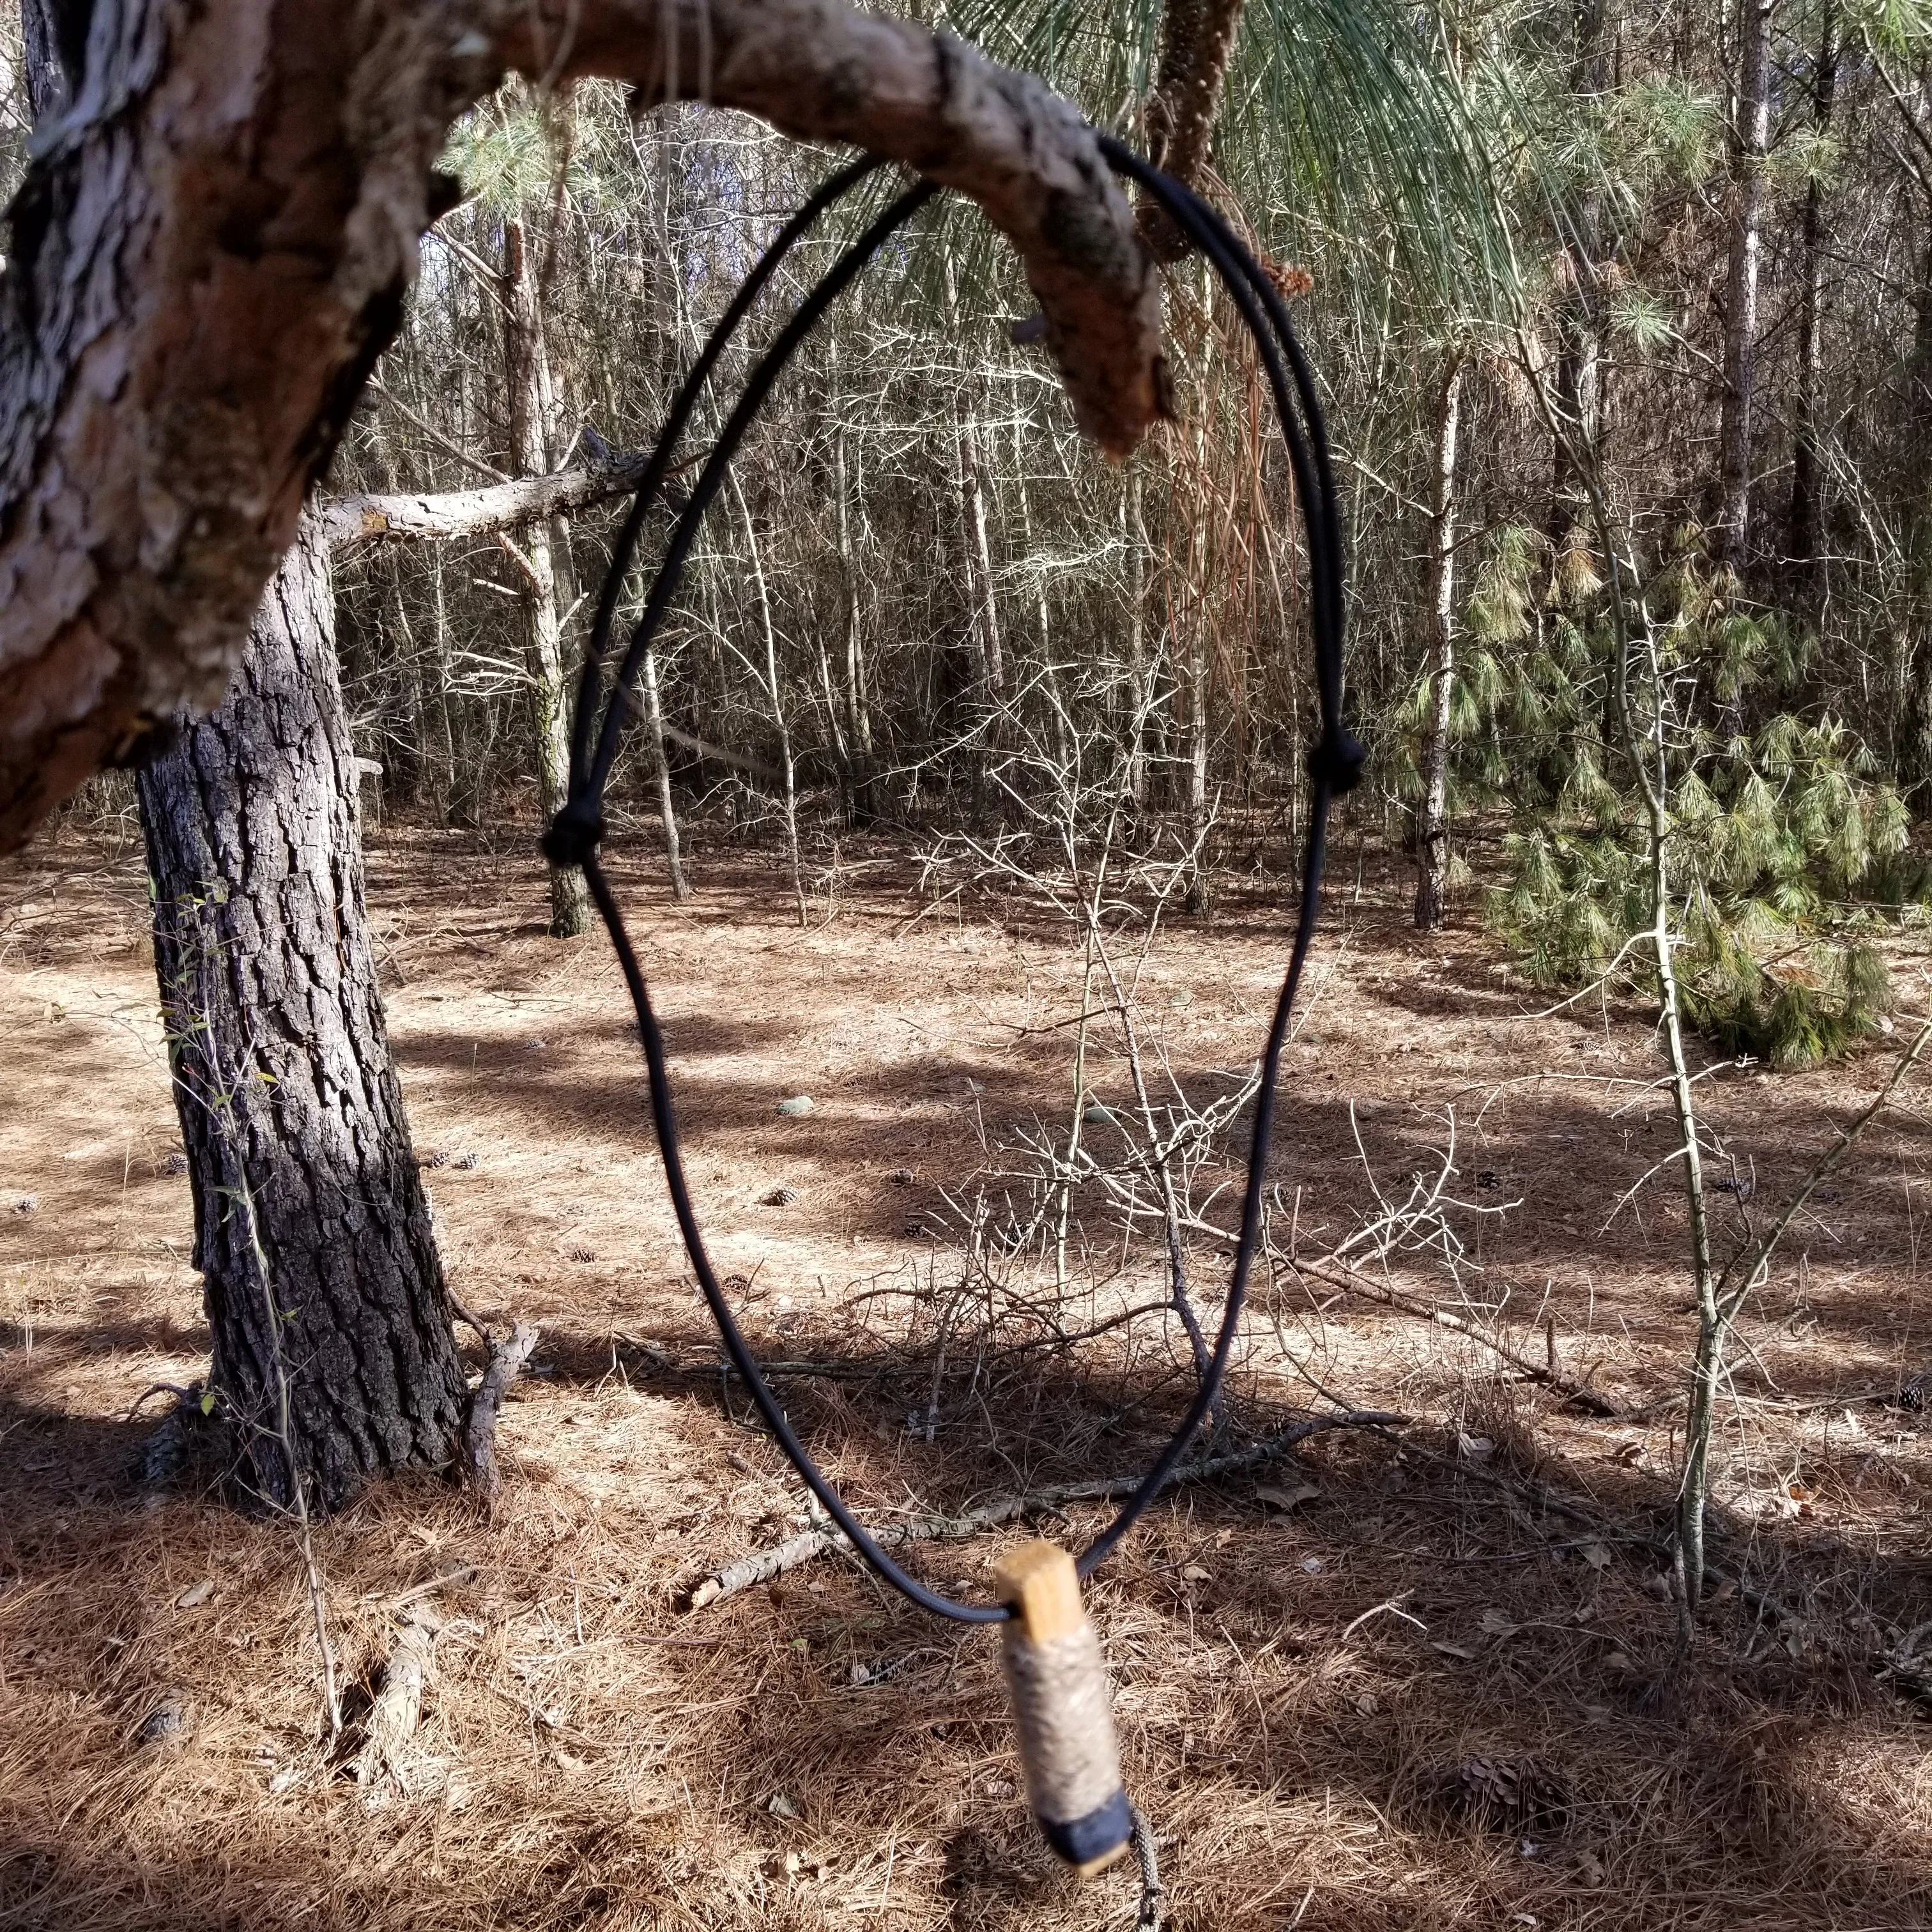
column 1197, row 39
column 43, row 24
column 536, row 449
column 1750, row 136
column 212, row 246
column 299, row 1149
column 1801, row 529
column 1432, row 844
column 1581, row 307
column 331, row 1330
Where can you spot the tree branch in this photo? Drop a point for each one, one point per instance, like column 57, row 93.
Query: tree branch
column 762, row 1565
column 507, row 1358
column 215, row 240
column 482, row 512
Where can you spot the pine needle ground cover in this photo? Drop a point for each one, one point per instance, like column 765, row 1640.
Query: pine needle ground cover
column 1396, row 1680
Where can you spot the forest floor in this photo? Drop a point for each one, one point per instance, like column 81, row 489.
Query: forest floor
column 1400, row 1678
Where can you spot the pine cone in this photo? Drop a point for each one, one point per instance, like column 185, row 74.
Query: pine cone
column 1499, row 1793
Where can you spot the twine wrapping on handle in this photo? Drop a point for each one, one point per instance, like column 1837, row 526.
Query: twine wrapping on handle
column 1062, row 1709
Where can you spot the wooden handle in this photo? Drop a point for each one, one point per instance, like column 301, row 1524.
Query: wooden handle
column 1062, row 1709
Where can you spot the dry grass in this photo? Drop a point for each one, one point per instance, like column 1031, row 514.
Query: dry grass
column 1333, row 1715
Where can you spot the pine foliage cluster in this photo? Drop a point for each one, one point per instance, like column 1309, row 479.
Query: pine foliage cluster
column 1789, row 853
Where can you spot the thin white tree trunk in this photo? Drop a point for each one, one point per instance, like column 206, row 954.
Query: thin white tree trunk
column 857, row 731
column 775, row 692
column 533, row 438
column 1741, row 281
column 1140, row 697
column 680, row 887
column 1431, row 849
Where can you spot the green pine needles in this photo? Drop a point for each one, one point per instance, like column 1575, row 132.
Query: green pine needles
column 1790, row 856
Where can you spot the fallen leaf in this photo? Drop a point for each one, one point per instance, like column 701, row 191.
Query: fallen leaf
column 1277, row 1497
column 195, row 1595
column 1453, row 1650
column 1475, row 1448
column 780, row 1806
column 1494, row 1624
column 573, row 1766
column 1596, row 1555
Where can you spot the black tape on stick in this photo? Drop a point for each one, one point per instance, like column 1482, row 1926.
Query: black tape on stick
column 1063, row 1708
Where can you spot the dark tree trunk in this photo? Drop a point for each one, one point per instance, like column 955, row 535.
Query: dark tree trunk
column 44, row 25
column 1802, row 532
column 331, row 1326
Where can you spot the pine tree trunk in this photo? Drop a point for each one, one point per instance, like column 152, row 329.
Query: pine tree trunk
column 41, row 35
column 1580, row 314
column 533, row 452
column 1431, row 878
column 1802, row 532
column 1749, row 137
column 324, row 1292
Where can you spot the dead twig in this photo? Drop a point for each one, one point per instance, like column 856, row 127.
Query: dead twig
column 396, row 1709
column 1344, row 1277
column 762, row 1566
column 479, row 1434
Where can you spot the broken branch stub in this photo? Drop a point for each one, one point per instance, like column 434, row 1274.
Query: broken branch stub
column 215, row 239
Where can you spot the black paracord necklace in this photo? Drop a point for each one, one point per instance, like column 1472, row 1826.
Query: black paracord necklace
column 1052, row 1655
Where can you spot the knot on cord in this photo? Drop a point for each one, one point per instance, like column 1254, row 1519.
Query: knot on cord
column 1337, row 761
column 574, row 833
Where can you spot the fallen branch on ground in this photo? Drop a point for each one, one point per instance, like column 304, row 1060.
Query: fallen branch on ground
column 762, row 1566
column 397, row 1707
column 479, row 1434
column 1343, row 1276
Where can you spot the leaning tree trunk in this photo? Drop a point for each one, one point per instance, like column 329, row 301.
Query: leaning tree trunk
column 332, row 1342
column 1431, row 853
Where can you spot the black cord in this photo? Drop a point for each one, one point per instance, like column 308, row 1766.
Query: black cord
column 1335, row 762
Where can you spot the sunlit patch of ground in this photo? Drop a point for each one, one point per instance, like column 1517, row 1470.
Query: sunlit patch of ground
column 1330, row 1711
